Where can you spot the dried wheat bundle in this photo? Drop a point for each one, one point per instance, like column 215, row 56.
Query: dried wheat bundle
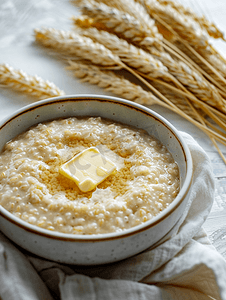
column 133, row 56
column 205, row 24
column 186, row 76
column 70, row 43
column 118, row 25
column 33, row 85
column 113, row 83
column 190, row 79
column 123, row 23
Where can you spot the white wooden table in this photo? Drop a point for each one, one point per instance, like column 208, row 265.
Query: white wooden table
column 18, row 18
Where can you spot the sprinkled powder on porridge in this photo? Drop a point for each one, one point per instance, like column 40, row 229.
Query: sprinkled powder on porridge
column 146, row 180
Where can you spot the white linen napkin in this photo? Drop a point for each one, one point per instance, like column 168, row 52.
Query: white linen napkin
column 186, row 266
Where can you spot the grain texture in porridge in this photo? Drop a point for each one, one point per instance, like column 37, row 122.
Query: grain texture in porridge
column 31, row 187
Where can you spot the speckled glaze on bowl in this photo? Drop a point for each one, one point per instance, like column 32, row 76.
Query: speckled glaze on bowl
column 104, row 248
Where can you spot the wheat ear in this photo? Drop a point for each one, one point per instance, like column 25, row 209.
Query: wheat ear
column 33, row 85
column 205, row 24
column 128, row 7
column 120, row 86
column 124, row 24
column 183, row 25
column 113, row 83
column 191, row 79
column 72, row 44
column 192, row 39
column 137, row 10
column 133, row 56
column 194, row 64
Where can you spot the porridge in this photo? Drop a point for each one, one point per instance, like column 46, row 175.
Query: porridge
column 145, row 180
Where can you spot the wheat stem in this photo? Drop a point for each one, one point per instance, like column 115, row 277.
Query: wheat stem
column 197, row 102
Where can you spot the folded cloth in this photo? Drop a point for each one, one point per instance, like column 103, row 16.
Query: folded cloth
column 185, row 266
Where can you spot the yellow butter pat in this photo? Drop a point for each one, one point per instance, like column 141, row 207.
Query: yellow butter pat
column 88, row 168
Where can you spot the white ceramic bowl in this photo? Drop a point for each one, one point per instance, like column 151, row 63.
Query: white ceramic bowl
column 105, row 248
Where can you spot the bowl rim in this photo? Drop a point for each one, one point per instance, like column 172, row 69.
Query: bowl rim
column 114, row 235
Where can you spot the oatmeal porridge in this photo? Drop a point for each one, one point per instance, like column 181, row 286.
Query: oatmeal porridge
column 145, row 180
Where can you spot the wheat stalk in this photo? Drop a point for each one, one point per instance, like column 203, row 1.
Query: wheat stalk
column 180, row 52
column 191, row 111
column 191, row 79
column 72, row 44
column 210, row 62
column 85, row 48
column 176, row 109
column 205, row 24
column 124, row 24
column 128, row 8
column 120, row 86
column 179, row 100
column 33, row 85
column 185, row 26
column 133, row 56
column 115, row 26
column 192, row 38
column 110, row 82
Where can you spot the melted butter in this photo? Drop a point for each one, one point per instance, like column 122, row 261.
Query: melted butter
column 88, row 168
